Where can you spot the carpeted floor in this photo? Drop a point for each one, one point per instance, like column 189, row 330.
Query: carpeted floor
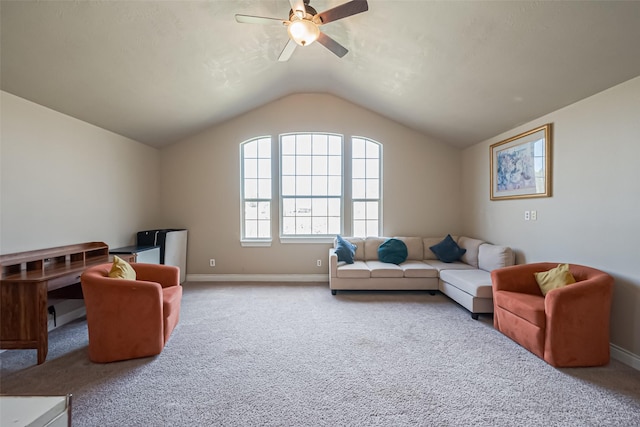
column 294, row 355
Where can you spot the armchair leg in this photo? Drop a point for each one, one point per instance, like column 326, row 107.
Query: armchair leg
column 474, row 316
column 333, row 292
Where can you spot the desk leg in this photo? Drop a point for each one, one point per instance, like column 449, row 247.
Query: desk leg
column 43, row 323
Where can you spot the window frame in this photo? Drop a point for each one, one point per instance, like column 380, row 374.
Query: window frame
column 255, row 241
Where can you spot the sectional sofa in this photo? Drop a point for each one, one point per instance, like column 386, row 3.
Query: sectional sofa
column 466, row 281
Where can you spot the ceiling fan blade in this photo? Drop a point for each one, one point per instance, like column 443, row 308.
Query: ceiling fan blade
column 298, row 8
column 287, row 51
column 332, row 45
column 249, row 19
column 347, row 9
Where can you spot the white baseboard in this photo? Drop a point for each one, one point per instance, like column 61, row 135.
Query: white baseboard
column 625, row 356
column 67, row 317
column 258, row 278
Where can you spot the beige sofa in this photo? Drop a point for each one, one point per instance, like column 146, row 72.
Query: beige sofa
column 467, row 281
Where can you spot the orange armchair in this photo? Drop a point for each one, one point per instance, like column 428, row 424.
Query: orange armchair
column 568, row 327
column 128, row 319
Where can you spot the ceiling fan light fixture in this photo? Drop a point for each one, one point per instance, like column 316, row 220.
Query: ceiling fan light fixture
column 303, row 31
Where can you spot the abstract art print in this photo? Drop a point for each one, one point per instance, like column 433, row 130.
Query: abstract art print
column 521, row 165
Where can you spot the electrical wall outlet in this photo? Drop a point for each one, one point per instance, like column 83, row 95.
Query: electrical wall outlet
column 319, row 263
column 534, row 215
column 527, row 215
column 212, row 262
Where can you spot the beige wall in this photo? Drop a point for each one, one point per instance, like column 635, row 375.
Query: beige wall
column 200, row 184
column 65, row 181
column 593, row 216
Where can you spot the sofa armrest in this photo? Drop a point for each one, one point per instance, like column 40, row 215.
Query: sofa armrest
column 166, row 275
column 333, row 263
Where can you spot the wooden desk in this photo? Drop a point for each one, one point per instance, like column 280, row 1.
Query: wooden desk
column 28, row 278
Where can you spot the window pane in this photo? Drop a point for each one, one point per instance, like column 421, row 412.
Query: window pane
column 303, row 225
column 320, row 165
column 319, row 185
column 264, row 168
column 264, row 210
column 334, row 207
column 373, row 168
column 289, row 207
column 373, row 150
column 319, row 207
column 373, row 189
column 372, row 228
column 303, row 165
column 303, row 144
column 372, row 210
column 334, row 225
column 264, row 229
column 303, row 207
column 335, row 166
column 288, row 225
column 335, row 186
column 251, row 229
column 264, row 148
column 358, row 189
column 264, row 189
column 335, row 145
column 359, row 211
column 359, row 229
column 250, row 188
column 288, row 145
column 288, row 165
column 359, row 168
column 288, row 185
column 358, row 148
column 319, row 225
column 250, row 149
column 250, row 168
column 251, row 210
column 303, row 186
column 320, row 144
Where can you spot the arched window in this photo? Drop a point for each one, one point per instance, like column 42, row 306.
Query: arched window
column 315, row 188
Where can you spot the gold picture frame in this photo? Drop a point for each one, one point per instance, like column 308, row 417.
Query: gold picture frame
column 521, row 165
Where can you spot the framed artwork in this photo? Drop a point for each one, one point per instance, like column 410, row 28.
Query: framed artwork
column 521, row 165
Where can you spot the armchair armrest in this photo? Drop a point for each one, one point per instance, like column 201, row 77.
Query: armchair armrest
column 166, row 275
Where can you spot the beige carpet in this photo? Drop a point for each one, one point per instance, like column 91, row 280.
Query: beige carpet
column 294, row 355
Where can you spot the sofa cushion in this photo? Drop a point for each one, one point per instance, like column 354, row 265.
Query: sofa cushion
column 474, row 282
column 439, row 265
column 413, row 268
column 471, row 246
column 448, row 250
column 491, row 257
column 357, row 270
column 427, row 242
column 393, row 251
column 121, row 269
column 415, row 249
column 555, row 278
column 345, row 250
column 384, row 269
column 371, row 245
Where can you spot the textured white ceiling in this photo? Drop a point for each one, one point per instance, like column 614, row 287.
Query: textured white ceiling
column 159, row 71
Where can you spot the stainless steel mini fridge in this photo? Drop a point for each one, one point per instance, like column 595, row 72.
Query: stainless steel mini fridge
column 173, row 246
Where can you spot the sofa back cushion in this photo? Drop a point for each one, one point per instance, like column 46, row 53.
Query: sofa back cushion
column 427, row 242
column 359, row 242
column 414, row 247
column 471, row 245
column 491, row 257
column 371, row 245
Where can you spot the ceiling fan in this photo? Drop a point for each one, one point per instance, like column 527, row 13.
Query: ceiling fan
column 303, row 24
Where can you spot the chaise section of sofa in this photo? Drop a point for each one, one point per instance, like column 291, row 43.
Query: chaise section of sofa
column 467, row 281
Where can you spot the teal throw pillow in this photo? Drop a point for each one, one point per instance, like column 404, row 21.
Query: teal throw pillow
column 345, row 250
column 448, row 250
column 393, row 251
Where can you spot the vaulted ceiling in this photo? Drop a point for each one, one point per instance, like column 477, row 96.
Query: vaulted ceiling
column 459, row 71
